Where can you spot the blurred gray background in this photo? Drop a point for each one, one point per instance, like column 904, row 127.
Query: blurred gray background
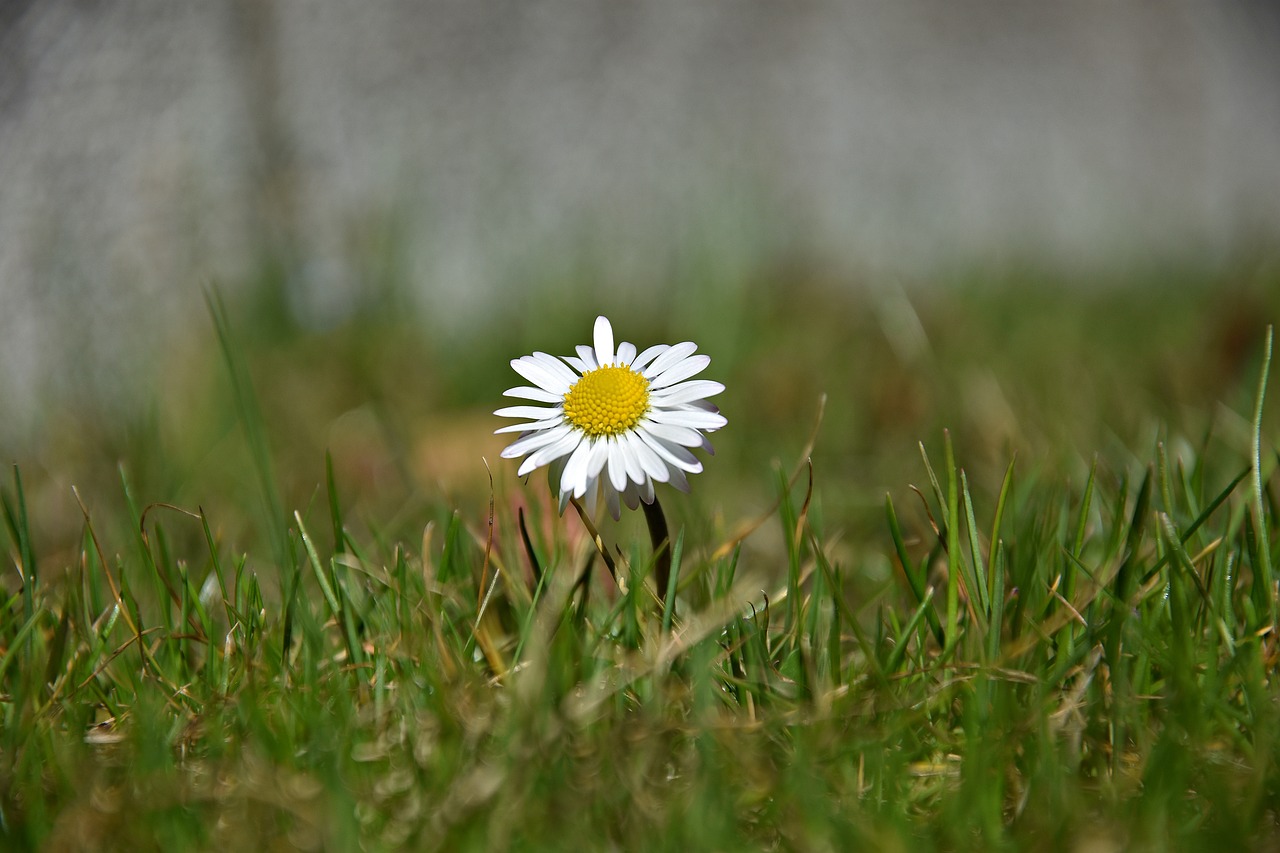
column 148, row 149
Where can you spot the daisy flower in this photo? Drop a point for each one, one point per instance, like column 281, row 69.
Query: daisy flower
column 613, row 422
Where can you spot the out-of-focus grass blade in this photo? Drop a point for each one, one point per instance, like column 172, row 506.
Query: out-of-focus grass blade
column 335, row 512
column 1199, row 522
column 15, row 516
column 933, row 479
column 904, row 637
column 1077, row 543
column 250, row 415
column 953, row 546
column 673, row 579
column 916, row 579
column 996, row 589
column 1174, row 543
column 1123, row 583
column 19, row 640
column 322, row 577
column 1259, row 510
column 216, row 563
column 979, row 579
column 996, row 626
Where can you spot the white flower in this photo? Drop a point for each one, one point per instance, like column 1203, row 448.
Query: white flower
column 614, row 422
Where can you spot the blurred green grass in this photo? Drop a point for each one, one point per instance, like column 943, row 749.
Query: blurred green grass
column 1014, row 362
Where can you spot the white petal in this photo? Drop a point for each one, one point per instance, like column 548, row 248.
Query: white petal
column 594, row 463
column 541, row 395
column 626, row 353
column 631, row 497
column 650, row 461
column 618, row 465
column 679, row 480
column 686, row 392
column 648, row 355
column 691, row 418
column 588, row 357
column 554, row 472
column 528, row 466
column 611, row 499
column 604, row 341
column 535, row 412
column 535, row 426
column 599, row 456
column 674, row 434
column 681, row 371
column 576, row 363
column 515, row 451
column 533, row 441
column 574, row 479
column 540, row 375
column 646, row 491
column 635, row 471
column 556, row 366
column 673, row 454
column 674, row 354
column 561, row 447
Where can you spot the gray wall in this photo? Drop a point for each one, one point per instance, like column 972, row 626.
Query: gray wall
column 147, row 147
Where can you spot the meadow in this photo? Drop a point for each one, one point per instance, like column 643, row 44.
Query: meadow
column 982, row 563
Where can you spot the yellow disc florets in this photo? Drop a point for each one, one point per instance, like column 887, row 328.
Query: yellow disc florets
column 607, row 401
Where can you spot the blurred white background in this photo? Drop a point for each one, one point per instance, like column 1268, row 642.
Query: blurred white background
column 149, row 148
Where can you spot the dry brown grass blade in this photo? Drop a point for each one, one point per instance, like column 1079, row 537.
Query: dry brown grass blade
column 1059, row 620
column 595, row 537
column 488, row 548
column 102, row 561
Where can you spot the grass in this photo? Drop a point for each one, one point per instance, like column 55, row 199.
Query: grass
column 1049, row 625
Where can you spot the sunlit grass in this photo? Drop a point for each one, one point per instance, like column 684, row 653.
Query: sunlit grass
column 1011, row 589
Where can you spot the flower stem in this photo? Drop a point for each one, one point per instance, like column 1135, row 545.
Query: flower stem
column 661, row 546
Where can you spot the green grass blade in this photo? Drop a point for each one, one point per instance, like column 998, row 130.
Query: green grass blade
column 997, row 521
column 933, row 477
column 335, row 512
column 673, row 580
column 322, row 577
column 1203, row 517
column 1259, row 509
column 17, row 646
column 996, row 627
column 20, row 529
column 954, row 571
column 979, row 581
column 251, row 420
column 215, row 563
column 1086, row 502
column 904, row 637
column 916, row 579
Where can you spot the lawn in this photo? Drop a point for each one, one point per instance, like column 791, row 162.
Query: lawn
column 982, row 563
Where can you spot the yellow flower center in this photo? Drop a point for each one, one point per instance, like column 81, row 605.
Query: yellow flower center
column 607, row 401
